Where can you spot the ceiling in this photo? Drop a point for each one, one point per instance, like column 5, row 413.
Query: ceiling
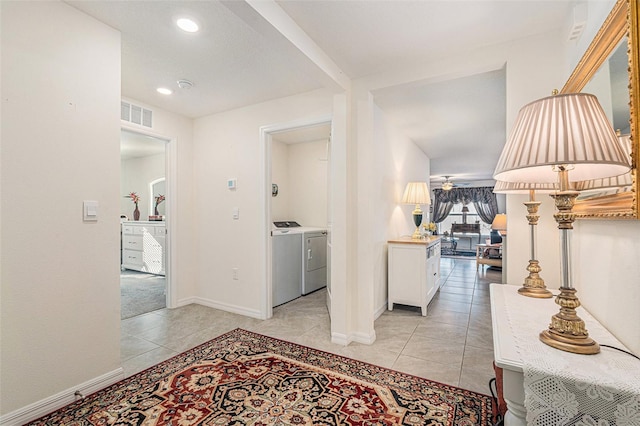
column 238, row 59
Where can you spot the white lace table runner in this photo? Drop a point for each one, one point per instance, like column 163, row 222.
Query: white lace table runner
column 562, row 388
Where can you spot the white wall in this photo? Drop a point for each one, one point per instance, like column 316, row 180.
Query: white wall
column 606, row 267
column 228, row 145
column 60, row 299
column 397, row 160
column 135, row 176
column 547, row 247
column 280, row 176
column 308, row 167
column 300, row 170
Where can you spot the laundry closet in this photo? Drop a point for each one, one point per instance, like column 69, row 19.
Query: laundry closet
column 299, row 172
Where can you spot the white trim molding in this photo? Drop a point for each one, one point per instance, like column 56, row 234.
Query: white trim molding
column 40, row 408
column 253, row 313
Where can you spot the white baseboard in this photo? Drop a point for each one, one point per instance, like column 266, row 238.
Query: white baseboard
column 187, row 301
column 340, row 339
column 380, row 310
column 344, row 339
column 253, row 313
column 40, row 408
column 364, row 338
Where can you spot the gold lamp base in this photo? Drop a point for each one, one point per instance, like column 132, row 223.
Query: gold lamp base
column 416, row 234
column 567, row 331
column 534, row 285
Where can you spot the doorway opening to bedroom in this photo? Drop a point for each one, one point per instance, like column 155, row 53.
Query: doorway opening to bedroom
column 143, row 214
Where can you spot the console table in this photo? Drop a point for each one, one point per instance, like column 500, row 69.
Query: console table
column 414, row 271
column 560, row 387
column 469, row 228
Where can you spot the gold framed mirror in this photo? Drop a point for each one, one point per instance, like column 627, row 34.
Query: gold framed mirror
column 619, row 30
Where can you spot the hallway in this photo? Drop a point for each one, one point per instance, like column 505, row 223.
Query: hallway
column 453, row 344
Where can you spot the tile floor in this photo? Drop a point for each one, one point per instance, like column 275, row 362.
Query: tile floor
column 453, row 344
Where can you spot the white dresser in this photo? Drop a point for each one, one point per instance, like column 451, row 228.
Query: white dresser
column 414, row 271
column 143, row 246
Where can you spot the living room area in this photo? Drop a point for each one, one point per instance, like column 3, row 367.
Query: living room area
column 470, row 221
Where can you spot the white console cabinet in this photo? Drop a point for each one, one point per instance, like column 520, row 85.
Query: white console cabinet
column 413, row 271
column 143, row 246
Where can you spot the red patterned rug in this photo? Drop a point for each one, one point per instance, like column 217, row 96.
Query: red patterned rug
column 243, row 378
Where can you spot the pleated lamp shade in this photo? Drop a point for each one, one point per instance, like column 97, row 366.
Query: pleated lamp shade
column 610, row 182
column 568, row 129
column 416, row 193
column 524, row 187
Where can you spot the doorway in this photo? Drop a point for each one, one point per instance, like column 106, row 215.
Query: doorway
column 297, row 172
column 143, row 233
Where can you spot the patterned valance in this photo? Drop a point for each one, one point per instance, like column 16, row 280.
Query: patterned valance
column 483, row 194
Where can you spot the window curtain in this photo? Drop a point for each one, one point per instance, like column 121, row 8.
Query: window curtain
column 483, row 199
column 441, row 207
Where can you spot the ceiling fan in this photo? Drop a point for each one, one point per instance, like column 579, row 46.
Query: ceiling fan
column 447, row 185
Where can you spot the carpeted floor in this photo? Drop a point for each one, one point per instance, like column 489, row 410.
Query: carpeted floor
column 244, row 378
column 141, row 293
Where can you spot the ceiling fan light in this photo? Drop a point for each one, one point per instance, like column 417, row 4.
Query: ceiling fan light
column 447, row 185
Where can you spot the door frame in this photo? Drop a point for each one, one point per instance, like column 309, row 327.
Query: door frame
column 170, row 167
column 266, row 310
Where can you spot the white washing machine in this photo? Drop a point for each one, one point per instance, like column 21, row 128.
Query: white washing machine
column 314, row 273
column 299, row 260
column 286, row 278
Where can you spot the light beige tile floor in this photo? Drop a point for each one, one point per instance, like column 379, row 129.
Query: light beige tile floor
column 452, row 344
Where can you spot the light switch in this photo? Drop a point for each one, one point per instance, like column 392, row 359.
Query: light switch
column 236, row 213
column 90, row 211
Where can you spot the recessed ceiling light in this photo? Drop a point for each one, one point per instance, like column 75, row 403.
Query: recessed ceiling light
column 164, row 90
column 186, row 24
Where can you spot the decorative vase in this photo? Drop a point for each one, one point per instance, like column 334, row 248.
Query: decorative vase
column 155, row 211
column 136, row 213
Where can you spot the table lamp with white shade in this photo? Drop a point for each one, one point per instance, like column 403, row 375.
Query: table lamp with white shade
column 563, row 138
column 416, row 193
column 499, row 224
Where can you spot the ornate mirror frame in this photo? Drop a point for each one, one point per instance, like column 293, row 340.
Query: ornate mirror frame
column 622, row 21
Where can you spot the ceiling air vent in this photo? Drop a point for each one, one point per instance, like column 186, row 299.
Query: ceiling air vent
column 136, row 114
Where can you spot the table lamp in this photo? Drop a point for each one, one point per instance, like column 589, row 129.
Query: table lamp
column 550, row 138
column 416, row 193
column 500, row 223
column 533, row 284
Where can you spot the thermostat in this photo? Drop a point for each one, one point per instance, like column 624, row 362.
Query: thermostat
column 231, row 184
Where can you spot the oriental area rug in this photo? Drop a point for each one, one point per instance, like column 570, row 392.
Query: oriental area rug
column 244, row 378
